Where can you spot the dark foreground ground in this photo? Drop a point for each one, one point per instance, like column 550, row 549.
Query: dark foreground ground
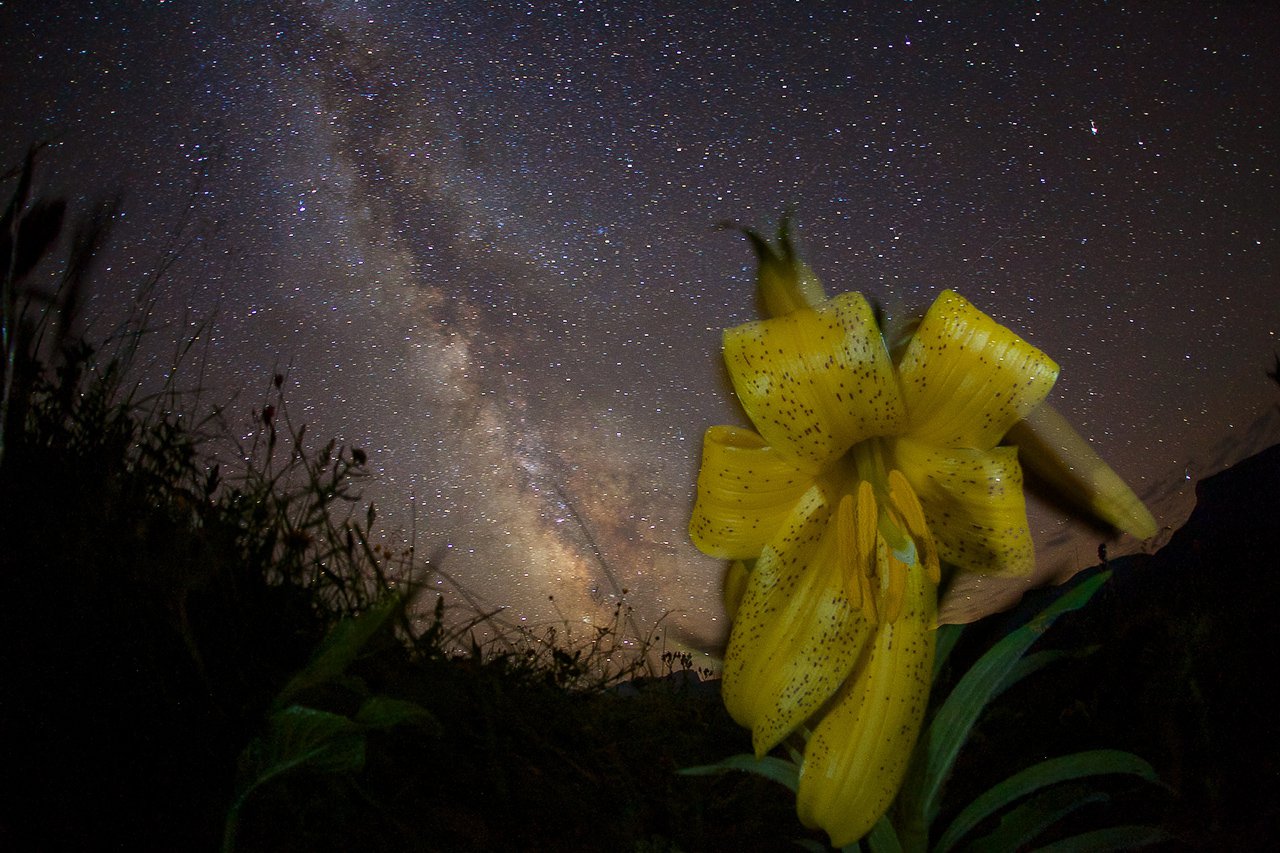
column 130, row 689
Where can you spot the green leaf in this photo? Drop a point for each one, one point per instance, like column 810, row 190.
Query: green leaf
column 883, row 838
column 941, row 742
column 1075, row 766
column 301, row 736
column 383, row 712
column 1111, row 838
column 947, row 635
column 1027, row 665
column 297, row 737
column 338, row 649
column 1033, row 816
column 770, row 767
column 1037, row 661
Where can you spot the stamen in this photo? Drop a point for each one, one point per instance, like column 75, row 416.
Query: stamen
column 896, row 594
column 847, row 550
column 865, row 517
column 903, row 499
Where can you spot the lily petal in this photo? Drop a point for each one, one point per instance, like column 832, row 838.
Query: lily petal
column 796, row 634
column 857, row 756
column 966, row 379
column 735, row 586
column 746, row 490
column 1052, row 448
column 816, row 381
column 974, row 502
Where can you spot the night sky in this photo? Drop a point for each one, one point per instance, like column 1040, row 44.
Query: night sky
column 481, row 238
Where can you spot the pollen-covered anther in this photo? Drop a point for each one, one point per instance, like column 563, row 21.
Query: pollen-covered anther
column 896, row 593
column 865, row 516
column 904, row 501
column 847, row 548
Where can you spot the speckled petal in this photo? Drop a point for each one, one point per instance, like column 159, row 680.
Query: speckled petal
column 746, row 490
column 857, row 755
column 974, row 504
column 966, row 379
column 796, row 635
column 816, row 381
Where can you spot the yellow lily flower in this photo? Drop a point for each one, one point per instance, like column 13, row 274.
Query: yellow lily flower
column 828, row 496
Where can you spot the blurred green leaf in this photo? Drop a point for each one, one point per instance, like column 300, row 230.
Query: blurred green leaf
column 305, row 736
column 339, row 649
column 777, row 769
column 383, row 712
column 296, row 737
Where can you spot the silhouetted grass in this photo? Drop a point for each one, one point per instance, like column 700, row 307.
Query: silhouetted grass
column 173, row 601
column 159, row 608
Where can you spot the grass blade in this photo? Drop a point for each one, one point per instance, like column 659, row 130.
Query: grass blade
column 1039, row 660
column 883, row 838
column 946, row 641
column 1111, row 838
column 770, row 767
column 1075, row 766
column 1034, row 816
column 941, row 742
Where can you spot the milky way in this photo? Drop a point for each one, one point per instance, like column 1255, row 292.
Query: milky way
column 482, row 239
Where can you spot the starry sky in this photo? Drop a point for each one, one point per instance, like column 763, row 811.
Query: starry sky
column 481, row 239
